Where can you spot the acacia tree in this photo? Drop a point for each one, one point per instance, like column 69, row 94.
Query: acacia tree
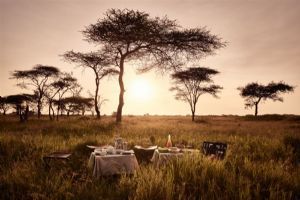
column 254, row 93
column 38, row 78
column 193, row 82
column 76, row 104
column 129, row 35
column 65, row 83
column 100, row 63
column 4, row 106
column 21, row 103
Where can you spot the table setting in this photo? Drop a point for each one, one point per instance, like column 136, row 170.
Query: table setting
column 163, row 155
column 109, row 160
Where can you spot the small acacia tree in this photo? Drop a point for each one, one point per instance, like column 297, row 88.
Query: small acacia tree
column 65, row 83
column 100, row 63
column 191, row 83
column 4, row 106
column 21, row 103
column 254, row 93
column 76, row 104
column 129, row 35
column 38, row 79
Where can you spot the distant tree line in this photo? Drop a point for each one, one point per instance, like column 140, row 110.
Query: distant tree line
column 51, row 88
column 124, row 36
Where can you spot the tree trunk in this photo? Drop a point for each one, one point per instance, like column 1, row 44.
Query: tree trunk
column 26, row 113
column 122, row 90
column 256, row 105
column 49, row 111
column 39, row 106
column 19, row 112
column 96, row 97
column 21, row 117
column 193, row 109
column 53, row 113
column 193, row 116
column 39, row 110
column 58, row 107
column 256, row 109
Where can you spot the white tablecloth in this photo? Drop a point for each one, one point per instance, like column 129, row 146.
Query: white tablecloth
column 112, row 164
column 160, row 159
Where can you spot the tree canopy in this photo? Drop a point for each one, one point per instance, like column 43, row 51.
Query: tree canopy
column 193, row 82
column 38, row 71
column 19, row 99
column 254, row 93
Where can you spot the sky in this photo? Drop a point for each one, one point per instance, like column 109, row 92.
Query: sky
column 262, row 36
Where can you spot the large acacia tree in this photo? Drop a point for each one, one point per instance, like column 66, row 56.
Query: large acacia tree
column 254, row 93
column 99, row 63
column 129, row 35
column 193, row 82
column 38, row 79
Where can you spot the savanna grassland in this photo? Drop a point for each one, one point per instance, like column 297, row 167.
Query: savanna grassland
column 262, row 160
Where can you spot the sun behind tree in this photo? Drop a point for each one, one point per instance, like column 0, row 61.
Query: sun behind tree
column 129, row 35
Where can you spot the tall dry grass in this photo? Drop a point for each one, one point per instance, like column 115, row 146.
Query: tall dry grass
column 262, row 160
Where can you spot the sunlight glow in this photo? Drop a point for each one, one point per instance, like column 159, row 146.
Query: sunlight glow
column 140, row 89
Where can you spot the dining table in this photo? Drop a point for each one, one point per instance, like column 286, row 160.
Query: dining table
column 123, row 162
column 163, row 157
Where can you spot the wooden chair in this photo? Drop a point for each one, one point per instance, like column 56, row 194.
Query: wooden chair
column 214, row 148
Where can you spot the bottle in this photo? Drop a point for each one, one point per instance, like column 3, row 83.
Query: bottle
column 118, row 143
column 169, row 142
column 125, row 144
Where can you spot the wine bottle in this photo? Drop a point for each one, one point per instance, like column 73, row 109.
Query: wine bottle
column 169, row 142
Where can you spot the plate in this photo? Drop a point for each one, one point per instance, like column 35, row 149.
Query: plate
column 174, row 150
column 127, row 152
column 163, row 150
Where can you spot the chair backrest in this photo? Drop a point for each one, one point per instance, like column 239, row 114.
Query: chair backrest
column 144, row 155
column 214, row 148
